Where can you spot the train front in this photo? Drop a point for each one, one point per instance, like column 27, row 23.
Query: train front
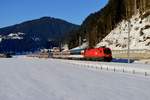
column 101, row 54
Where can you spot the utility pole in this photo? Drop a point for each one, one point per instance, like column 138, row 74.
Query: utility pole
column 135, row 7
column 80, row 41
column 129, row 30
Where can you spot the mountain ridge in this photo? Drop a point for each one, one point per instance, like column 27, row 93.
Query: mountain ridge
column 35, row 32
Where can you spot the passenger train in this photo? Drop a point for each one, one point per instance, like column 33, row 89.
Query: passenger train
column 96, row 54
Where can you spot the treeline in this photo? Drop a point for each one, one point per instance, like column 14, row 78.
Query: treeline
column 97, row 25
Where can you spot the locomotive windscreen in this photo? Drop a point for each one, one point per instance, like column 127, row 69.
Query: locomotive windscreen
column 107, row 51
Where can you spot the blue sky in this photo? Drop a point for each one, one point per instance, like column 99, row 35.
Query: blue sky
column 75, row 11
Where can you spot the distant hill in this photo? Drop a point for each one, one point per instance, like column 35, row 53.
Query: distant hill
column 34, row 34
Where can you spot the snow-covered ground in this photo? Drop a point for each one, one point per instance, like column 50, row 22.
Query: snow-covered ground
column 143, row 61
column 12, row 36
column 48, row 79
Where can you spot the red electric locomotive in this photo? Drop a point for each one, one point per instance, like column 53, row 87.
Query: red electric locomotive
column 101, row 53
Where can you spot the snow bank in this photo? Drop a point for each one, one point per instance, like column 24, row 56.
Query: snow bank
column 134, row 68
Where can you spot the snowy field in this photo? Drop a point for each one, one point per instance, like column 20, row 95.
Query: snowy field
column 48, row 79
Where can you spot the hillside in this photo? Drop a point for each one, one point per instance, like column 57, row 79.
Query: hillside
column 34, row 34
column 99, row 24
column 117, row 39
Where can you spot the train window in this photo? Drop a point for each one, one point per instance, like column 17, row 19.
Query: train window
column 107, row 51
